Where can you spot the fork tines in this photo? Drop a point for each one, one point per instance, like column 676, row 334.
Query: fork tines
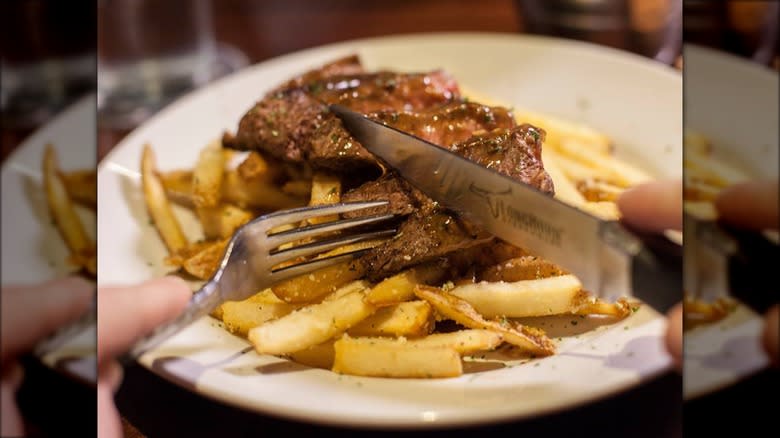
column 291, row 247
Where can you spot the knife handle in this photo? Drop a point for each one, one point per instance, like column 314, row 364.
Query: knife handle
column 753, row 270
column 656, row 271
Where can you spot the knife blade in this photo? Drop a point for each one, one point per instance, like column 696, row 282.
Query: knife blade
column 609, row 258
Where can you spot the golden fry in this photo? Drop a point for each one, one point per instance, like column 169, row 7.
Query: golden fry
column 203, row 264
column 207, row 176
column 310, row 287
column 63, row 212
column 364, row 357
column 521, row 268
column 81, row 186
column 410, row 319
column 158, row 206
column 255, row 167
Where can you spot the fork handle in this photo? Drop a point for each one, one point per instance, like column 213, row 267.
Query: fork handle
column 203, row 302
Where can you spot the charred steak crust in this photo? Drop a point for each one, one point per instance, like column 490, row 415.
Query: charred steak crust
column 348, row 65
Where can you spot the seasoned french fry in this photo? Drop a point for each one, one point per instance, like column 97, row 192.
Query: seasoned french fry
column 252, row 194
column 361, row 357
column 532, row 340
column 606, row 210
column 310, row 287
column 618, row 171
column 203, row 264
column 325, row 189
column 63, row 212
column 81, row 186
column 411, row 319
column 521, row 268
column 577, row 171
column 241, row 316
column 467, row 341
column 223, row 220
column 310, row 325
column 565, row 190
column 595, row 190
column 400, row 287
column 317, row 356
column 545, row 296
column 158, row 206
column 256, row 167
column 559, row 130
column 619, row 309
column 207, row 176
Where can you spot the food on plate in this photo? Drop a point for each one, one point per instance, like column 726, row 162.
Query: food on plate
column 63, row 192
column 706, row 175
column 417, row 304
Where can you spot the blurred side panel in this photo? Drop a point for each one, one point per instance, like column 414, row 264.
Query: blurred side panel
column 731, row 205
column 47, row 97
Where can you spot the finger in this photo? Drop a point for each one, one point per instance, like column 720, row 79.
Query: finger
column 108, row 423
column 10, row 420
column 751, row 205
column 654, row 206
column 770, row 338
column 674, row 335
column 33, row 312
column 125, row 314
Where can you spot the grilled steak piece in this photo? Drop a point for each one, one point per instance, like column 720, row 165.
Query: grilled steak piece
column 348, row 65
column 403, row 199
column 516, row 153
column 431, row 232
column 290, row 124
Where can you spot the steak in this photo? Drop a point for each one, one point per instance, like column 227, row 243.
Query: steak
column 348, row 65
column 430, row 231
column 295, row 125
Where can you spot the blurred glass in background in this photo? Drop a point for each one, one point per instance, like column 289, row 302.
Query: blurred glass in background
column 153, row 51
column 651, row 28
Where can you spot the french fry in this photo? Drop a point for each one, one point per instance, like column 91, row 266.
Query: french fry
column 158, row 206
column 565, row 190
column 545, row 296
column 325, row 189
column 310, row 325
column 559, row 130
column 310, row 287
column 618, row 171
column 317, row 356
column 467, row 341
column 521, row 268
column 252, row 194
column 577, row 171
column 619, row 309
column 256, row 167
column 223, row 220
column 241, row 316
column 207, row 176
column 410, row 319
column 63, row 212
column 400, row 287
column 359, row 357
column 531, row 340
column 203, row 264
column 596, row 190
column 81, row 186
column 701, row 209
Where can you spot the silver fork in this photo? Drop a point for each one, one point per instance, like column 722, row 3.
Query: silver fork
column 249, row 263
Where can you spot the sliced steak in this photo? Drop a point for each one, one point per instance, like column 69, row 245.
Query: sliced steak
column 516, row 153
column 430, row 232
column 295, row 125
column 348, row 65
column 403, row 199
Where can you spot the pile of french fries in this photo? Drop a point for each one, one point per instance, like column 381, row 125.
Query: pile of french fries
column 335, row 318
column 64, row 191
column 706, row 175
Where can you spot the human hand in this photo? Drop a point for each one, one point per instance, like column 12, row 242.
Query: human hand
column 754, row 205
column 29, row 315
column 657, row 206
column 125, row 314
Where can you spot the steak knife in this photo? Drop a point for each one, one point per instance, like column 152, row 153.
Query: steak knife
column 611, row 259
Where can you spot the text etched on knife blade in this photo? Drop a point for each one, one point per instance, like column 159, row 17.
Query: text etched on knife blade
column 523, row 220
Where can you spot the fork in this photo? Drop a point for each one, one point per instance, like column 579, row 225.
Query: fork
column 250, row 259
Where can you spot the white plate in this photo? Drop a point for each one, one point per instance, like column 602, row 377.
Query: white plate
column 733, row 102
column 636, row 101
column 33, row 250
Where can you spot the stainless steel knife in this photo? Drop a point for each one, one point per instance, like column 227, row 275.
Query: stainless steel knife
column 610, row 259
